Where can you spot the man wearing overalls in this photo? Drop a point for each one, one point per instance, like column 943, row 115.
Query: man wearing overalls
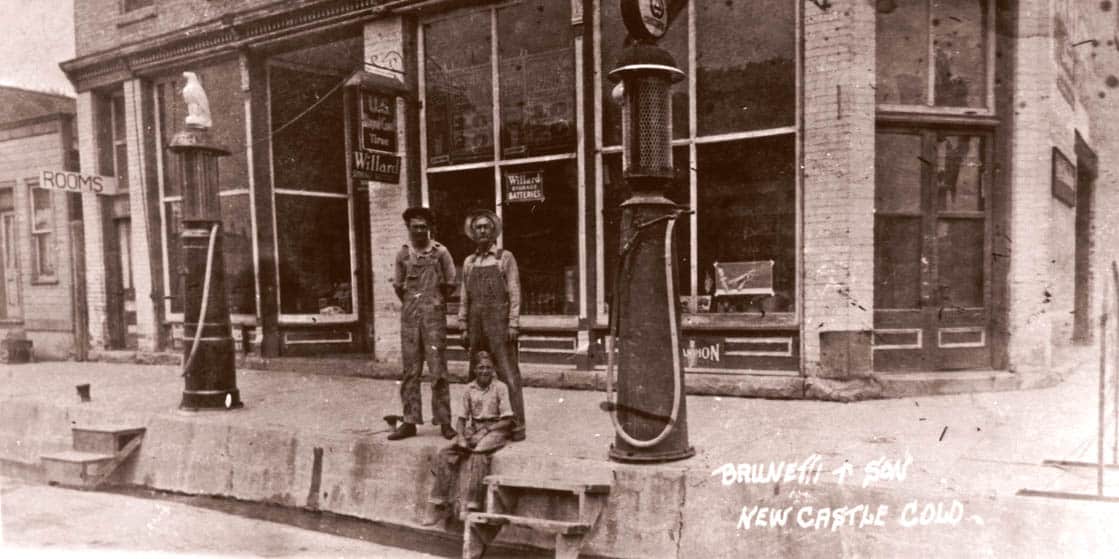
column 491, row 307
column 424, row 277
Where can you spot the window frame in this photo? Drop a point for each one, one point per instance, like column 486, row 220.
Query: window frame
column 287, row 319
column 499, row 162
column 930, row 108
column 37, row 277
column 692, row 142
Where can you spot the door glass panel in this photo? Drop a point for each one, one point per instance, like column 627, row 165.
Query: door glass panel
column 959, row 173
column 452, row 196
column 897, row 169
column 897, row 262
column 903, row 50
column 959, row 47
column 960, row 262
column 314, row 247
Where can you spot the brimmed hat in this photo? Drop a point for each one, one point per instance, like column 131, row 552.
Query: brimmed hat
column 420, row 212
column 468, row 226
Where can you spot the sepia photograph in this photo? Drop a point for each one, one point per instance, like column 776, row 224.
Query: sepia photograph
column 559, row 278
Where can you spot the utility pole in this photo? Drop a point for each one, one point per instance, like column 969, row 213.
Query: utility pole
column 208, row 354
column 650, row 414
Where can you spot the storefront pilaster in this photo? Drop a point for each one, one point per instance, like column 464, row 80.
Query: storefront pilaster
column 386, row 41
column 838, row 195
column 1029, row 323
column 142, row 260
column 92, row 210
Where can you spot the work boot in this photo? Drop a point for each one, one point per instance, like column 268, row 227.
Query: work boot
column 403, row 431
column 447, row 431
column 518, row 435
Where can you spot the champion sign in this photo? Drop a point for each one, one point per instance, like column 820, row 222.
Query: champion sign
column 70, row 181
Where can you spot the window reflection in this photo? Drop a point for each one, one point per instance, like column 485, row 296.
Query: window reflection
column 747, row 216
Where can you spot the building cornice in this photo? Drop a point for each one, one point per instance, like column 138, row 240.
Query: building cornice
column 225, row 35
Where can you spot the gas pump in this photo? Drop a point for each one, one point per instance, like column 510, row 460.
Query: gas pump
column 209, row 372
column 649, row 411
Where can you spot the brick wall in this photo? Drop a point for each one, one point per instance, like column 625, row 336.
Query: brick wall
column 838, row 155
column 100, row 25
column 1029, row 323
column 384, row 43
column 46, row 302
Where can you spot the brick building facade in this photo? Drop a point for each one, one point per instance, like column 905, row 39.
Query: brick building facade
column 39, row 227
column 920, row 185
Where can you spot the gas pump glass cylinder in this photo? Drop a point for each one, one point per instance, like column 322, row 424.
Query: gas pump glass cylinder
column 646, row 121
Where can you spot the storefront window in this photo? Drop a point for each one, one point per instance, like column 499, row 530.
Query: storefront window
column 933, row 53
column 536, row 73
column 222, row 82
column 747, row 225
column 737, row 253
column 675, row 41
column 459, row 89
column 312, row 200
column 531, row 175
column 746, row 73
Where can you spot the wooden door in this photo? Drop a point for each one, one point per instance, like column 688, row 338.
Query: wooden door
column 932, row 247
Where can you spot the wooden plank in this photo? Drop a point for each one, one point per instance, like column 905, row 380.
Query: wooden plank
column 549, row 484
column 540, row 524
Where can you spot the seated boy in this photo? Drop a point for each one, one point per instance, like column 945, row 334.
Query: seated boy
column 484, row 426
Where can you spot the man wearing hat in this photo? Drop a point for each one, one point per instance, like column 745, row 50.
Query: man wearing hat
column 423, row 278
column 491, row 306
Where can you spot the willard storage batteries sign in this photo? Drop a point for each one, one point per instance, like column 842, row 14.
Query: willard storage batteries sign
column 524, row 186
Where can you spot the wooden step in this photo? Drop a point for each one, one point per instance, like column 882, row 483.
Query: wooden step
column 104, row 439
column 73, row 468
column 549, row 484
column 540, row 524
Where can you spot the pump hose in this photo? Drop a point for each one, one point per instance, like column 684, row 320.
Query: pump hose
column 205, row 299
column 670, row 285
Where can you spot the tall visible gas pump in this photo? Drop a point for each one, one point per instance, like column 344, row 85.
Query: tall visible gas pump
column 209, row 372
column 649, row 413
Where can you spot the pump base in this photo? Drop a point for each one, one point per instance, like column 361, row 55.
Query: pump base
column 199, row 400
column 640, row 456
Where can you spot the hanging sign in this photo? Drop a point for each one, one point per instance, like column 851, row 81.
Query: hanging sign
column 524, row 186
column 378, row 121
column 645, row 19
column 1063, row 179
column 70, row 181
column 376, row 166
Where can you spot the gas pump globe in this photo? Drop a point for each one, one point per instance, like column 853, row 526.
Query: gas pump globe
column 649, row 413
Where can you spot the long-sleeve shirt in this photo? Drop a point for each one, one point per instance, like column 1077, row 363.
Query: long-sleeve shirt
column 508, row 266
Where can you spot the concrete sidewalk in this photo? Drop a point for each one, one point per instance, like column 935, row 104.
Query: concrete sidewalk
column 979, row 449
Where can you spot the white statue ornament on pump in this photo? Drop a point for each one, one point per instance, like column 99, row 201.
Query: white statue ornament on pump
column 198, row 106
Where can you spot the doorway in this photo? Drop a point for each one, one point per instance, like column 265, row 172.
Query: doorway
column 932, row 247
column 9, row 268
column 1086, row 171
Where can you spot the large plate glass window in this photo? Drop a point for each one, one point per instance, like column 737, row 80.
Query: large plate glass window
column 312, row 197
column 935, row 54
column 734, row 134
column 499, row 121
column 222, row 82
